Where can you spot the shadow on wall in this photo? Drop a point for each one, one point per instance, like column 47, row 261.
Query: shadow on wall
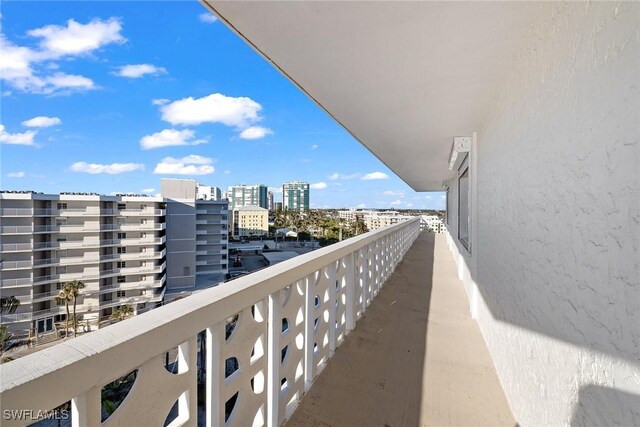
column 592, row 397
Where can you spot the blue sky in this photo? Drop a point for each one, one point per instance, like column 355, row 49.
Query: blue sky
column 111, row 96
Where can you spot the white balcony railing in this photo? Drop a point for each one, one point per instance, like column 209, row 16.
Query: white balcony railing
column 320, row 294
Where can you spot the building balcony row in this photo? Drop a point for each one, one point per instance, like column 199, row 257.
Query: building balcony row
column 81, row 260
column 82, row 276
column 76, row 244
column 80, row 228
column 79, row 212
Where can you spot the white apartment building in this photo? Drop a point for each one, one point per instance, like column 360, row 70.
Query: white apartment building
column 350, row 215
column 432, row 222
column 206, row 192
column 378, row 219
column 115, row 245
column 250, row 221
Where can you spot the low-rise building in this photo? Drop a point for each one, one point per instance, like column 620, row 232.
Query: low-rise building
column 432, row 222
column 250, row 221
column 378, row 219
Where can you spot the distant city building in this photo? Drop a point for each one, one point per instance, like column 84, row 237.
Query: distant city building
column 378, row 219
column 295, row 196
column 350, row 215
column 250, row 221
column 115, row 245
column 247, row 195
column 205, row 192
column 432, row 222
column 270, row 205
column 197, row 237
column 278, row 206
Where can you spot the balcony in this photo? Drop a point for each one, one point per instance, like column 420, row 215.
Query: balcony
column 16, row 229
column 15, row 265
column 86, row 211
column 133, row 212
column 333, row 286
column 16, row 247
column 15, row 212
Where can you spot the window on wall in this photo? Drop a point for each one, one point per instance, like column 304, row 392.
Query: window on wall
column 464, row 197
column 448, row 208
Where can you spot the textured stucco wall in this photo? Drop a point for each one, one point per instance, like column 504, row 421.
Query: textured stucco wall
column 556, row 255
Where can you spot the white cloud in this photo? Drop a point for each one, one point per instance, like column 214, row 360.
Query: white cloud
column 189, row 165
column 361, row 206
column 111, row 169
column 314, row 147
column 170, row 137
column 66, row 82
column 160, row 101
column 24, row 138
column 397, row 193
column 135, row 71
column 227, row 172
column 207, row 18
column 395, row 202
column 240, row 112
column 335, row 176
column 318, row 186
column 42, row 122
column 148, row 190
column 27, row 69
column 76, row 38
column 375, row 175
column 16, row 174
column 275, row 189
column 255, row 132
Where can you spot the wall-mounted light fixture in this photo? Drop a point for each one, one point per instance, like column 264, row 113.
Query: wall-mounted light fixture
column 461, row 144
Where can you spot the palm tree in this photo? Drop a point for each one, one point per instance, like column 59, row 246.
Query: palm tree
column 66, row 297
column 73, row 288
column 9, row 304
column 122, row 312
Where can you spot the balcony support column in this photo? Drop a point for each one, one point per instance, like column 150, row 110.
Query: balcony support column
column 309, row 315
column 332, row 307
column 351, row 278
column 273, row 359
column 86, row 409
column 214, row 368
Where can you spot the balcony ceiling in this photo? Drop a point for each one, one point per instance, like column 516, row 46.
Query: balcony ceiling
column 403, row 78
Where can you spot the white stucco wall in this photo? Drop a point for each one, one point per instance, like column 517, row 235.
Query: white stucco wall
column 555, row 242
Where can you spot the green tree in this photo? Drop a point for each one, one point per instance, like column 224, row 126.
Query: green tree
column 122, row 312
column 73, row 289
column 4, row 337
column 9, row 304
column 65, row 296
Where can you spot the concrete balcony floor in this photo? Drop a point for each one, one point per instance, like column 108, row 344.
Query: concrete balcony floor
column 415, row 359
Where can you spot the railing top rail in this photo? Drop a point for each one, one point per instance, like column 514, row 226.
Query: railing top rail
column 72, row 365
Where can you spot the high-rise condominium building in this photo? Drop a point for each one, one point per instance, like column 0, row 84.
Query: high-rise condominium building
column 247, row 195
column 197, row 237
column 115, row 245
column 270, row 205
column 295, row 196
